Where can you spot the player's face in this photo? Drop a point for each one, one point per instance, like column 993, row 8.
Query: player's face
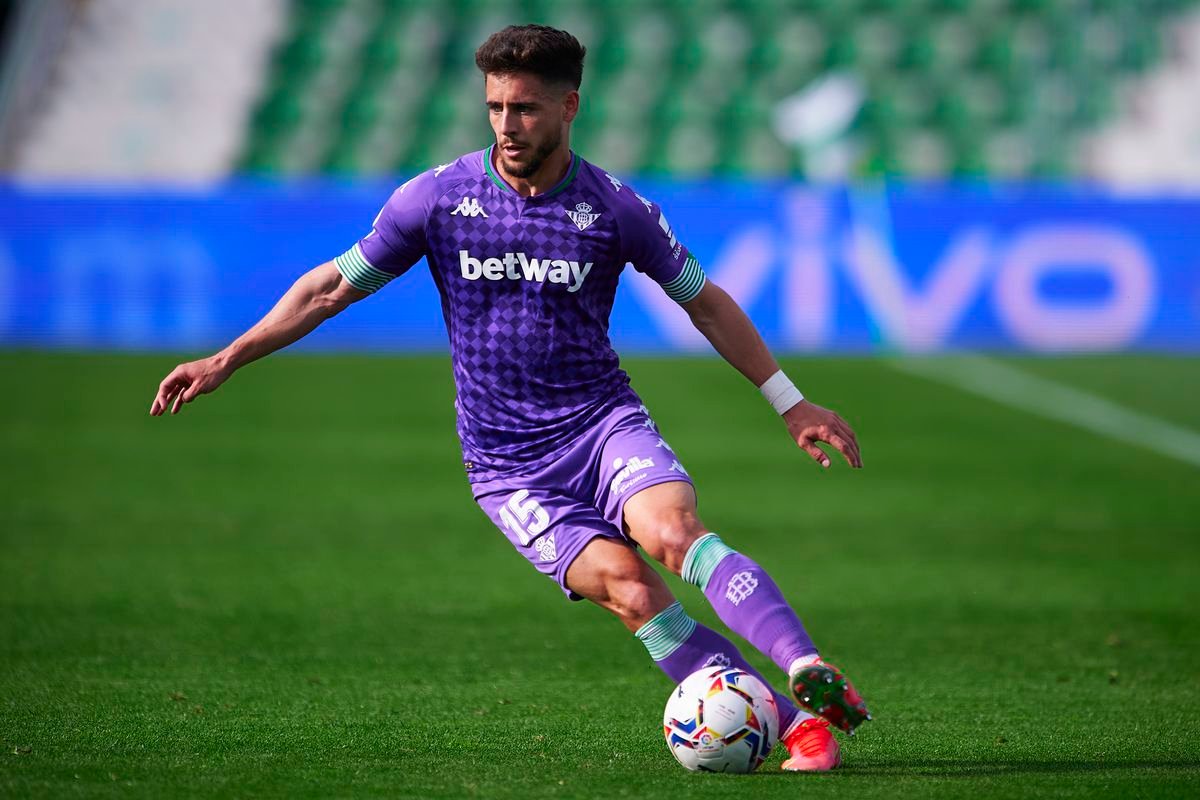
column 529, row 118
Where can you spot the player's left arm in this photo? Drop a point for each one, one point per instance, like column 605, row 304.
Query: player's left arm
column 723, row 322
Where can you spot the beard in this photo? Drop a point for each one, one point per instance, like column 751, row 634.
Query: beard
column 536, row 159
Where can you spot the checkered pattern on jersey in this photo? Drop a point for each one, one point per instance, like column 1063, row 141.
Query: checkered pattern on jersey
column 532, row 360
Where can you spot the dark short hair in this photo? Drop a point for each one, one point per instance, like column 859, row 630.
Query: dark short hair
column 554, row 56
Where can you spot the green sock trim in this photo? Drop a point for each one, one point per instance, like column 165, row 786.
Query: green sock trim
column 666, row 631
column 702, row 559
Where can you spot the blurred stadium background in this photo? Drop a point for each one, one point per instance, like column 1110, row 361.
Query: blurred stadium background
column 924, row 174
column 1098, row 90
column 225, row 603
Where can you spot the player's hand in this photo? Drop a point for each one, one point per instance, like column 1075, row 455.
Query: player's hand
column 188, row 381
column 809, row 423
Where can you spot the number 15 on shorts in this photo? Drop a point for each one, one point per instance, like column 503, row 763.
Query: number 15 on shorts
column 524, row 516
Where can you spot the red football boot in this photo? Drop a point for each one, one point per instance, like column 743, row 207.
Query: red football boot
column 812, row 747
column 821, row 688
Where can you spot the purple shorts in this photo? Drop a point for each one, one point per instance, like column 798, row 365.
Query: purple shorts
column 551, row 515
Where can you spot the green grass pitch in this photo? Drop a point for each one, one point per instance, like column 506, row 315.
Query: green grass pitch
column 286, row 591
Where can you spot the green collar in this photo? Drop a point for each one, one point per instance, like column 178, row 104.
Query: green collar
column 563, row 184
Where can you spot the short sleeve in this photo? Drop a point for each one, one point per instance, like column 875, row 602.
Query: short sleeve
column 648, row 243
column 397, row 237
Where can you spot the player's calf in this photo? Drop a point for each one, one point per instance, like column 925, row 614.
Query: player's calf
column 747, row 600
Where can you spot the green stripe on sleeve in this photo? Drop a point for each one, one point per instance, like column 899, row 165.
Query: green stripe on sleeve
column 358, row 271
column 687, row 284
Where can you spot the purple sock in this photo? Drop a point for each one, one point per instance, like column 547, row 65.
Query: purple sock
column 747, row 600
column 679, row 646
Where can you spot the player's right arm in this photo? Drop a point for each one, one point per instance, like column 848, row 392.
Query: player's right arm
column 318, row 295
column 395, row 243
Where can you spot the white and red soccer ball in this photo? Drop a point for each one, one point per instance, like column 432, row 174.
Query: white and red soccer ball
column 721, row 719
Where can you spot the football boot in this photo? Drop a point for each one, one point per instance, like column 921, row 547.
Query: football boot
column 811, row 747
column 822, row 689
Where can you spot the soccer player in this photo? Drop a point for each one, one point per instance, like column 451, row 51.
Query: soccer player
column 526, row 241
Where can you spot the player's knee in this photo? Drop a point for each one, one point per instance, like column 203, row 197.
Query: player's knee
column 671, row 532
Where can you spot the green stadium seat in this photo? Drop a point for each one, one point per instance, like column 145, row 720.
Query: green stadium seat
column 951, row 7
column 1032, row 8
column 360, row 114
column 300, row 56
column 952, row 114
column 968, row 159
column 918, row 52
column 382, row 53
column 842, row 51
column 343, row 158
column 608, row 55
column 1141, row 48
column 888, row 8
column 282, row 112
column 1018, row 106
column 995, row 51
column 261, row 155
column 878, row 43
column 879, row 116
column 313, row 13
column 914, row 98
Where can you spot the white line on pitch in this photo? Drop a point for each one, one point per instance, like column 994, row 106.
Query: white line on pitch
column 1020, row 389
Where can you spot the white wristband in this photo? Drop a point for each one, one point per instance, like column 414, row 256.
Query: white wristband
column 780, row 392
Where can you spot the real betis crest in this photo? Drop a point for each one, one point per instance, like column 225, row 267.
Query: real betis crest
column 582, row 216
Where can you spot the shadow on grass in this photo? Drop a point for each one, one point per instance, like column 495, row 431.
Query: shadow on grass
column 954, row 768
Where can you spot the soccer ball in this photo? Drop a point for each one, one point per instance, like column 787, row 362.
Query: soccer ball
column 721, row 719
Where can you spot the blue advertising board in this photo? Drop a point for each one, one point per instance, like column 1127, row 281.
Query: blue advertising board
column 897, row 268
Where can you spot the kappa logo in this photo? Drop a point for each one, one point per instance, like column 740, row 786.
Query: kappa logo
column 741, row 586
column 616, row 183
column 646, row 203
column 666, row 229
column 676, row 466
column 440, row 168
column 582, row 216
column 469, row 207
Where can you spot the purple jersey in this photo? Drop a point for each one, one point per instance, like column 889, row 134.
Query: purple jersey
column 527, row 286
